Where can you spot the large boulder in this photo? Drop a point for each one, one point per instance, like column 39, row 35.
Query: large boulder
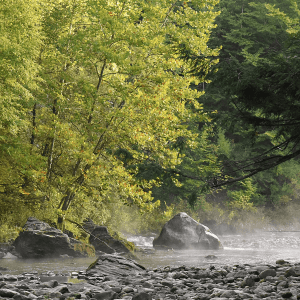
column 39, row 240
column 114, row 265
column 183, row 232
column 104, row 242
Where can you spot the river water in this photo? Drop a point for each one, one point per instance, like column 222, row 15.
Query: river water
column 259, row 248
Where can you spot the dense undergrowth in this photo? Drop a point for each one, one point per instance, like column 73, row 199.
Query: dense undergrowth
column 129, row 220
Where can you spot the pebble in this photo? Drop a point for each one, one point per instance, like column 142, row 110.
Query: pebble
column 279, row 281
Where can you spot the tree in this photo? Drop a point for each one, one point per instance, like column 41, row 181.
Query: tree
column 258, row 78
column 114, row 94
column 20, row 42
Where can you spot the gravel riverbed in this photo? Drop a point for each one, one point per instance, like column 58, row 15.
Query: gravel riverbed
column 280, row 280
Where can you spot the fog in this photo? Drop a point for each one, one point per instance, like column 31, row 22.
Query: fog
column 256, row 248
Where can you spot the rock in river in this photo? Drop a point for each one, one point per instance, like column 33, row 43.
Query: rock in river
column 183, row 232
column 38, row 240
column 103, row 241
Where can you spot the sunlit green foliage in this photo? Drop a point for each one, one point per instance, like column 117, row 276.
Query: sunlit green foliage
column 103, row 104
column 98, row 90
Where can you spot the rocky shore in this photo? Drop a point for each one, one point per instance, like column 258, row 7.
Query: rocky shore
column 113, row 277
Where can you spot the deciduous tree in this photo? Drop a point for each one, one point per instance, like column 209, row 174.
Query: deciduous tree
column 115, row 93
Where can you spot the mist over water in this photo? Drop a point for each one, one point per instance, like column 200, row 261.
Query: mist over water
column 253, row 249
column 258, row 248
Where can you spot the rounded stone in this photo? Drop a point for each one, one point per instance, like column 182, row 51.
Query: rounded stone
column 268, row 272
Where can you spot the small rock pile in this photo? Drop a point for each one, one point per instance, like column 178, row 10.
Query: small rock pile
column 278, row 281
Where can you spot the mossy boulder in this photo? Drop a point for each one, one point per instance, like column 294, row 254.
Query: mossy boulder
column 39, row 240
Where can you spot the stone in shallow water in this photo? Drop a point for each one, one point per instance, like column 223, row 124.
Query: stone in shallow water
column 210, row 257
column 281, row 262
column 103, row 241
column 183, row 232
column 39, row 240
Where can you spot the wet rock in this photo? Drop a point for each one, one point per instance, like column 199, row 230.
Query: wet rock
column 64, row 290
column 183, row 232
column 268, row 272
column 127, row 289
column 290, row 272
column 107, row 264
column 39, row 240
column 7, row 293
column 240, row 274
column 105, row 295
column 179, row 275
column 203, row 296
column 53, row 283
column 103, row 241
column 70, row 296
column 282, row 285
column 9, row 277
column 281, row 262
column 286, row 295
column 132, row 281
column 142, row 296
column 248, row 281
column 210, row 257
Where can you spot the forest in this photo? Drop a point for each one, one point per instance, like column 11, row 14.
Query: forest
column 128, row 112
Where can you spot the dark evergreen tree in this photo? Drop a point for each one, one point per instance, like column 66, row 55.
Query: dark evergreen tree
column 256, row 88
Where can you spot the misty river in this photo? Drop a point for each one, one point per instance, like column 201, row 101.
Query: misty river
column 259, row 248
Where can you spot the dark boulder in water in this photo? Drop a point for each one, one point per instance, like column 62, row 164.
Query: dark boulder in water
column 103, row 241
column 39, row 240
column 183, row 232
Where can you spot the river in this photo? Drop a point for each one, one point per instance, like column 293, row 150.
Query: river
column 259, row 248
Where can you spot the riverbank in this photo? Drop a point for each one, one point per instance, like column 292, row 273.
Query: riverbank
column 280, row 280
